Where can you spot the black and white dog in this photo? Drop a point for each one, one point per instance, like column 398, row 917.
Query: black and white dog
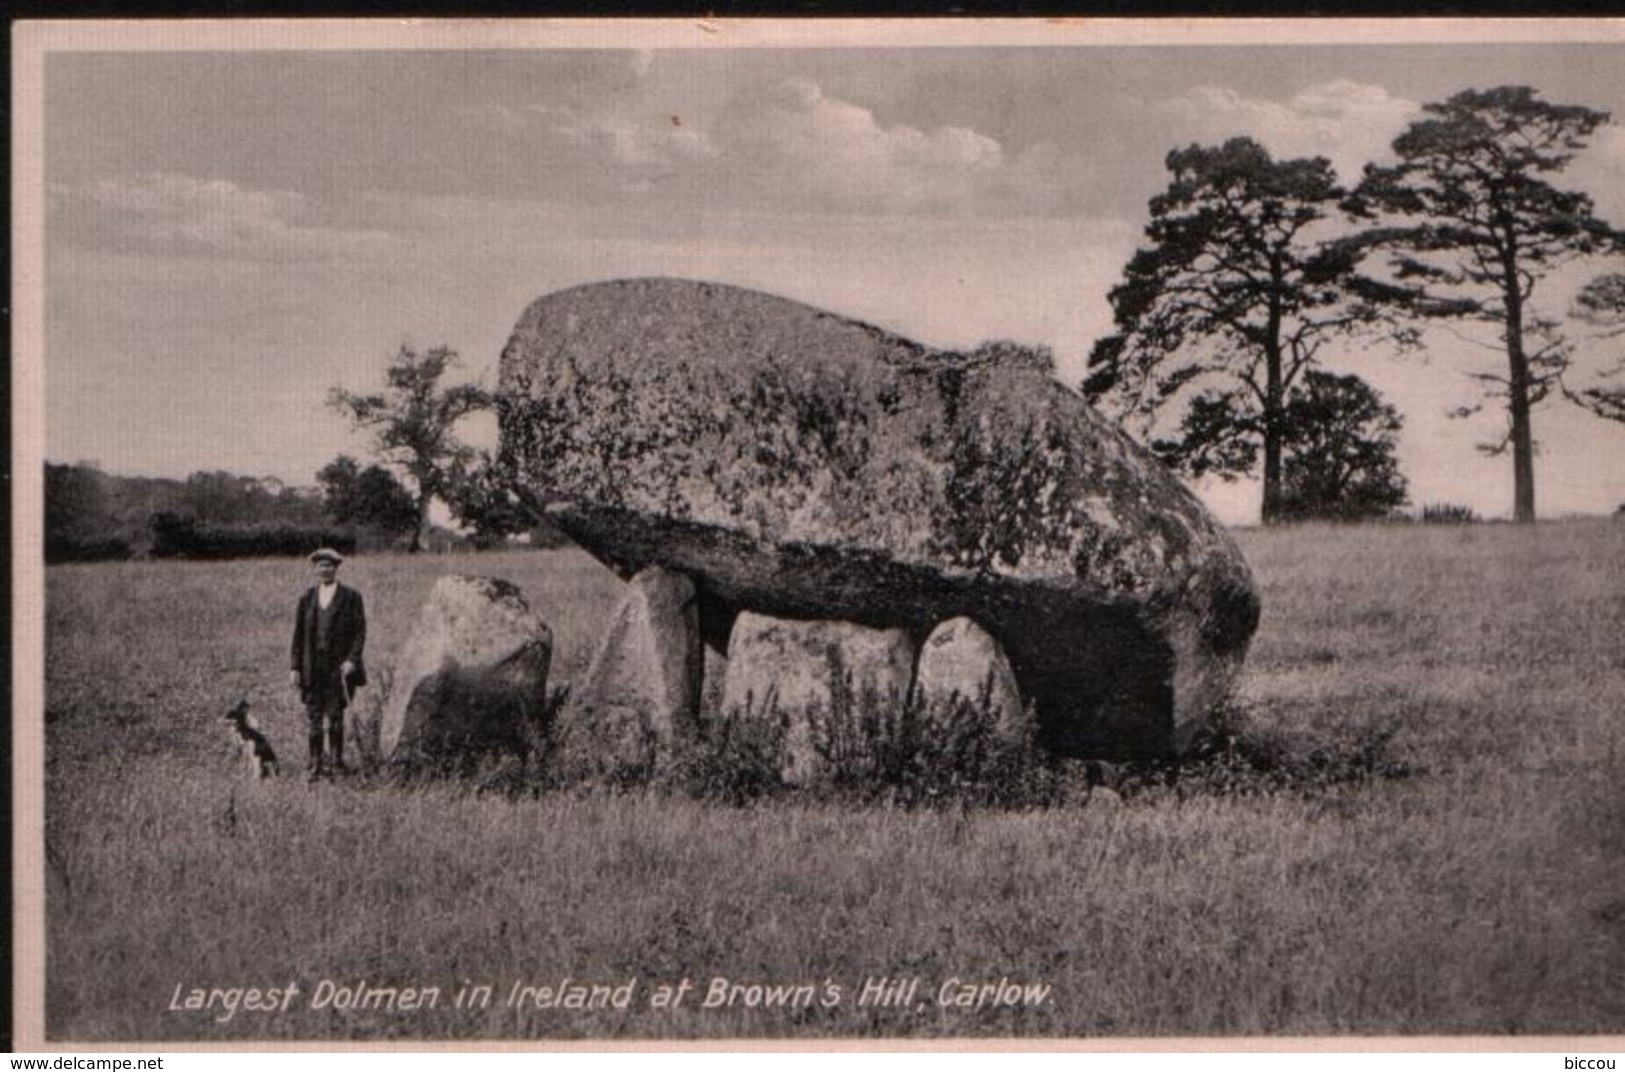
column 251, row 743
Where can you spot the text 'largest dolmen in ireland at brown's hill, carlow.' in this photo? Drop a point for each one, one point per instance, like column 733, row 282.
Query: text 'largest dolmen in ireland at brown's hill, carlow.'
column 793, row 463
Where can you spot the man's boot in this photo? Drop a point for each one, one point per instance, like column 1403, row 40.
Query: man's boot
column 313, row 769
column 335, row 743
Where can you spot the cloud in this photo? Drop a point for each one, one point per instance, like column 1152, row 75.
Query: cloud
column 784, row 145
column 1351, row 123
column 839, row 154
column 174, row 214
column 811, row 124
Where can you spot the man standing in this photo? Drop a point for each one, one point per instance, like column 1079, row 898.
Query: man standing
column 329, row 633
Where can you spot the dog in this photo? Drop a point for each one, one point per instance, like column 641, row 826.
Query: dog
column 256, row 751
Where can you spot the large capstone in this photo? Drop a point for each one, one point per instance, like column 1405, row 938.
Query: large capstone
column 806, row 466
column 471, row 679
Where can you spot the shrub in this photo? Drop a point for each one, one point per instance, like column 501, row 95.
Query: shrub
column 910, row 752
column 370, row 498
column 1340, row 460
column 874, row 746
column 1448, row 514
column 1235, row 758
column 178, row 536
column 735, row 758
column 59, row 548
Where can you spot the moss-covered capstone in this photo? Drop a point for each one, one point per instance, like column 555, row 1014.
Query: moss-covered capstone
column 803, row 465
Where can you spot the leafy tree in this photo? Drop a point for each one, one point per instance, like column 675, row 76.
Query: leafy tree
column 481, row 498
column 413, row 422
column 1472, row 226
column 1340, row 444
column 1601, row 303
column 75, row 502
column 1219, row 317
column 337, row 480
column 370, row 497
column 224, row 498
column 219, row 497
column 79, row 515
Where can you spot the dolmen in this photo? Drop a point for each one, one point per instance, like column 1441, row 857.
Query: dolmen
column 779, row 478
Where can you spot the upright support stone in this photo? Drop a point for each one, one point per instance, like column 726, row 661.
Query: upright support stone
column 716, row 672
column 960, row 662
column 650, row 661
column 816, row 676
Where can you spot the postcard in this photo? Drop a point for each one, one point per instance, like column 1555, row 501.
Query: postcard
column 1090, row 534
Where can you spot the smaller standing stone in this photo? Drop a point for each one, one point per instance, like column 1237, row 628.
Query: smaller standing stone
column 641, row 692
column 816, row 676
column 716, row 672
column 363, row 724
column 962, row 662
column 1103, row 799
column 472, row 676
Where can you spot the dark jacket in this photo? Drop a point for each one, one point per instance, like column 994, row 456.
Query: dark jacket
column 346, row 640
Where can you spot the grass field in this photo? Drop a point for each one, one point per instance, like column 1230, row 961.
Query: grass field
column 1483, row 893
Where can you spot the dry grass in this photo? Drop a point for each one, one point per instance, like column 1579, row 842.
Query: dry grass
column 1484, row 894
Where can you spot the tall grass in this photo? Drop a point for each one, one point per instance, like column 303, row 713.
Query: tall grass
column 1482, row 894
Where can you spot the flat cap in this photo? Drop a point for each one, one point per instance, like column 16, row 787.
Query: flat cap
column 326, row 554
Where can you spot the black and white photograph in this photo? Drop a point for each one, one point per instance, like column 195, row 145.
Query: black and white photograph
column 745, row 533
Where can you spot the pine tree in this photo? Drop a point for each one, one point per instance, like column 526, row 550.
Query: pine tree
column 1217, row 319
column 1472, row 226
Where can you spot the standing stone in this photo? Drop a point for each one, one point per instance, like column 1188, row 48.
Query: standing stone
column 716, row 672
column 363, row 724
column 651, row 658
column 1104, row 798
column 472, row 676
column 641, row 692
column 962, row 660
column 817, row 677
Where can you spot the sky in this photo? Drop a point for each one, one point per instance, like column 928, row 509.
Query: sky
column 230, row 234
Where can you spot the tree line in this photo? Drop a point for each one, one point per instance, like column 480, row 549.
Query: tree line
column 95, row 515
column 91, row 514
column 1255, row 266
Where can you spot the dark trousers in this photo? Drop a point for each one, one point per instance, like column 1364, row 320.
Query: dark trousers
column 324, row 711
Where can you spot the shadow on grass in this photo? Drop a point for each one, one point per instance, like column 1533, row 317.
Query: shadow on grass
column 1234, row 756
